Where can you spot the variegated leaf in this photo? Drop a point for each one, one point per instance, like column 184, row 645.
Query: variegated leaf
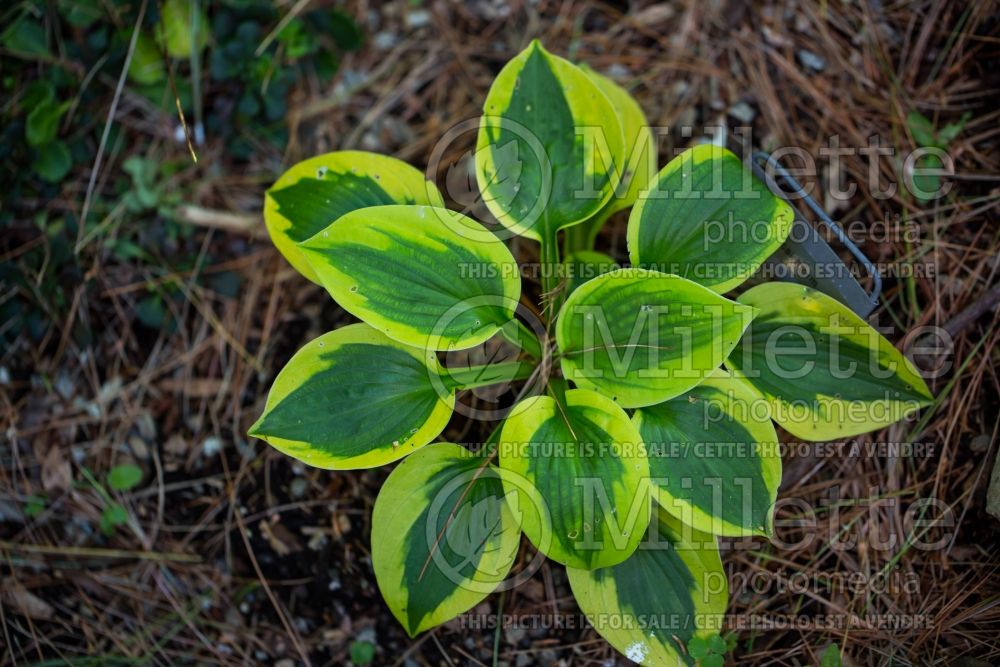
column 443, row 536
column 354, row 398
column 643, row 337
column 548, row 144
column 671, row 590
column 316, row 192
column 423, row 275
column 826, row 372
column 585, row 469
column 714, row 460
column 706, row 218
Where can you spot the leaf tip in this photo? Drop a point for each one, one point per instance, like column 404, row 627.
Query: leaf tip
column 412, row 630
column 925, row 393
column 255, row 430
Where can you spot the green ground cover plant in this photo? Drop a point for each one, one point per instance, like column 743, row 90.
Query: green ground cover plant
column 61, row 64
column 645, row 427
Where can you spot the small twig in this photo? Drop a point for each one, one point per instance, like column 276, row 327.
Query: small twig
column 285, row 20
column 444, row 653
column 282, row 616
column 236, row 223
column 964, row 319
column 412, row 648
column 94, row 552
column 107, row 126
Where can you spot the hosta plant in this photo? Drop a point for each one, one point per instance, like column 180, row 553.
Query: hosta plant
column 644, row 400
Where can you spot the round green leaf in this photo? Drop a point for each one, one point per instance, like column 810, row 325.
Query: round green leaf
column 443, row 537
column 425, row 276
column 113, row 516
column 698, row 648
column 585, row 469
column 317, row 191
column 124, row 477
column 548, row 142
column 713, row 660
column 643, row 337
column 26, row 36
column 637, row 164
column 183, row 29
column 42, row 124
column 706, row 218
column 53, row 161
column 354, row 398
column 672, row 589
column 826, row 373
column 147, row 67
column 362, row 652
column 713, row 457
column 830, row 657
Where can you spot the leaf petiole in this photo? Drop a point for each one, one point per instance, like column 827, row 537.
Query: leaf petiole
column 488, row 374
column 522, row 337
column 550, row 266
